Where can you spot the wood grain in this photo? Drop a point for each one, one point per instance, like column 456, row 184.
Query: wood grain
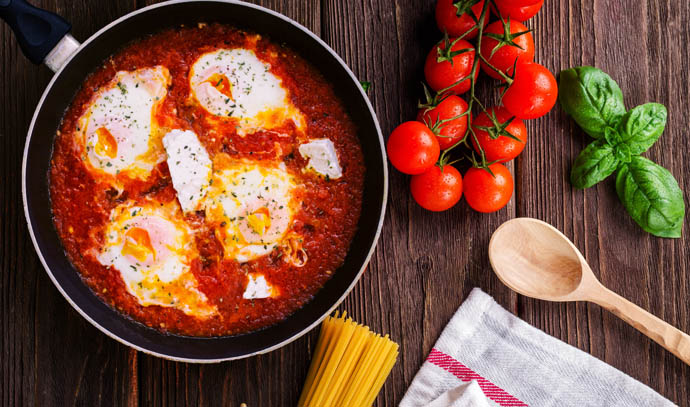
column 50, row 354
column 425, row 263
column 648, row 63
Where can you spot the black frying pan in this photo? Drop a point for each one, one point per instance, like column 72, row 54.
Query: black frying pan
column 43, row 38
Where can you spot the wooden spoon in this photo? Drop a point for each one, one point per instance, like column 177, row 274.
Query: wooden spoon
column 536, row 260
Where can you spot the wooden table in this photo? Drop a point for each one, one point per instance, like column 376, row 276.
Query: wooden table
column 426, row 263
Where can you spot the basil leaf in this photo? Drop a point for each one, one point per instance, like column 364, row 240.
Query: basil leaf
column 652, row 197
column 591, row 98
column 642, row 126
column 596, row 162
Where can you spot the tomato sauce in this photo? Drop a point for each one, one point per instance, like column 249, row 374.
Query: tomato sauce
column 327, row 220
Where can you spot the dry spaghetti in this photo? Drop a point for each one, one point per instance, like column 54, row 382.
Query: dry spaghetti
column 349, row 366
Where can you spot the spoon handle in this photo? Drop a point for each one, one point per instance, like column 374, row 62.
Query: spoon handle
column 663, row 333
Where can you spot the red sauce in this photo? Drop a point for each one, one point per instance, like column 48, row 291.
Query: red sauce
column 327, row 219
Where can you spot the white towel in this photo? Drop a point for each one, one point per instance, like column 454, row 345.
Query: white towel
column 468, row 394
column 515, row 364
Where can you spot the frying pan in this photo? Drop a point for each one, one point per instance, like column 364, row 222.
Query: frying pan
column 44, row 38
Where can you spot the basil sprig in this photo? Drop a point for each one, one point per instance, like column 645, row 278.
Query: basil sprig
column 648, row 191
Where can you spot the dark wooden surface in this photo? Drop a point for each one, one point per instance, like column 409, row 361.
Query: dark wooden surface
column 425, row 263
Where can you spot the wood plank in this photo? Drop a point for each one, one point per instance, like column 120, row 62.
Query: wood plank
column 426, row 263
column 649, row 64
column 50, row 355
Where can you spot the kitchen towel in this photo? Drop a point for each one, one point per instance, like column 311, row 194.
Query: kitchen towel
column 515, row 364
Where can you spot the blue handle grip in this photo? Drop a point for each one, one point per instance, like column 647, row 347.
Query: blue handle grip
column 37, row 31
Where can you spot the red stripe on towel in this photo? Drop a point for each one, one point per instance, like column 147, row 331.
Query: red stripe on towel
column 464, row 373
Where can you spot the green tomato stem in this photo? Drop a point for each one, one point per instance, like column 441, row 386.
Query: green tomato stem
column 479, row 26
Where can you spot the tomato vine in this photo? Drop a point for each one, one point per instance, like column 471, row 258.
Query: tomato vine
column 472, row 99
column 504, row 50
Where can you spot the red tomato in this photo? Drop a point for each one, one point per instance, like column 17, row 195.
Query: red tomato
column 510, row 47
column 441, row 75
column 451, row 131
column 437, row 189
column 496, row 144
column 516, row 3
column 518, row 13
column 486, row 193
column 412, row 148
column 456, row 21
column 532, row 93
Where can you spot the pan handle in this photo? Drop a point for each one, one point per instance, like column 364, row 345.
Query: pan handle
column 37, row 31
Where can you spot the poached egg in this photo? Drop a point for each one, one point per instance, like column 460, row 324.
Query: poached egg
column 149, row 245
column 252, row 205
column 117, row 132
column 235, row 84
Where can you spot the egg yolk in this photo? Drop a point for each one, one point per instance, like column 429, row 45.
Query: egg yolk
column 260, row 220
column 138, row 244
column 106, row 146
column 221, row 83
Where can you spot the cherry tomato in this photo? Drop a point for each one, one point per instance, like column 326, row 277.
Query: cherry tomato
column 509, row 49
column 451, row 131
column 518, row 13
column 456, row 21
column 485, row 192
column 412, row 148
column 517, row 3
column 497, row 145
column 441, row 75
column 437, row 189
column 533, row 92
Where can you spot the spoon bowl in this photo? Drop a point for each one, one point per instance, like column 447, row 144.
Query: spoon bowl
column 536, row 260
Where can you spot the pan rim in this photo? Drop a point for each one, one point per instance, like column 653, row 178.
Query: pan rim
column 294, row 336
